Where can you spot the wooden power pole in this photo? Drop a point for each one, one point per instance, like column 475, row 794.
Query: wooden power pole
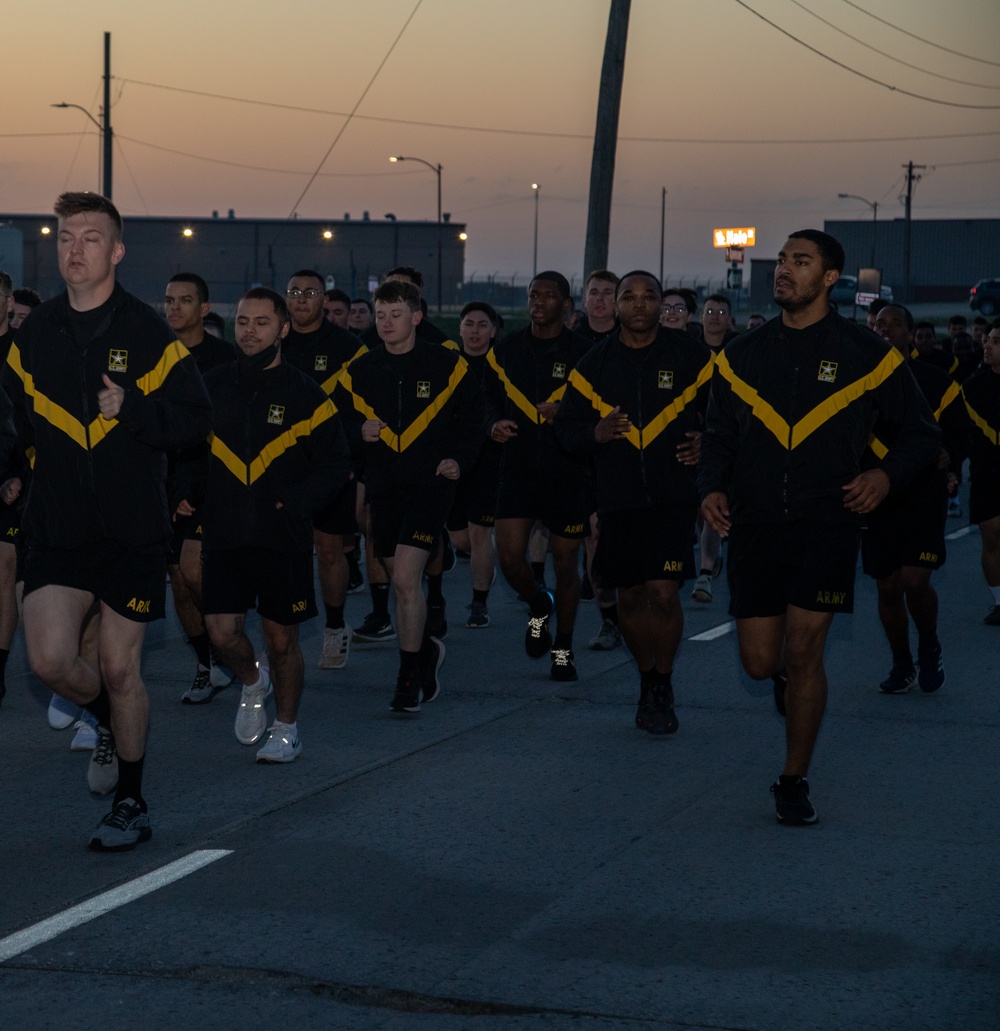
column 602, row 168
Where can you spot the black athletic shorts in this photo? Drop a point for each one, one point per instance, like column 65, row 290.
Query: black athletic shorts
column 411, row 517
column 645, row 544
column 476, row 494
column 560, row 498
column 806, row 564
column 908, row 531
column 186, row 528
column 340, row 515
column 10, row 523
column 984, row 492
column 279, row 584
column 130, row 582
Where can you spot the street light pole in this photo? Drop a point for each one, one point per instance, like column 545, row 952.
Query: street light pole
column 436, row 169
column 107, row 135
column 873, row 204
column 534, row 260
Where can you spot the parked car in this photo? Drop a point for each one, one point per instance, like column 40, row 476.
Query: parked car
column 846, row 287
column 985, row 296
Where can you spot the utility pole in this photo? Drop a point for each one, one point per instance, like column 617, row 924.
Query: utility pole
column 602, row 168
column 108, row 136
column 663, row 223
column 911, row 178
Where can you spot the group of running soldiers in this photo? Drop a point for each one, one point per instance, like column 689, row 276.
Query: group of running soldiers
column 627, row 432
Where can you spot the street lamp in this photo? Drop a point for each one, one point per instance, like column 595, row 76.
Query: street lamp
column 436, row 169
column 534, row 260
column 105, row 131
column 873, row 204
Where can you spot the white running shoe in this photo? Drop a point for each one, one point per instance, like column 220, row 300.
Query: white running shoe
column 102, row 773
column 85, row 738
column 219, row 676
column 282, row 745
column 251, row 719
column 63, row 713
column 336, row 648
column 702, row 589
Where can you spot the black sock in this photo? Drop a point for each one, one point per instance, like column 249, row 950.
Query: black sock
column 611, row 613
column 334, row 616
column 563, row 641
column 541, row 604
column 409, row 663
column 647, row 677
column 202, row 649
column 538, row 571
column 903, row 659
column 480, row 596
column 923, row 644
column 100, row 708
column 434, row 595
column 380, row 599
column 130, row 781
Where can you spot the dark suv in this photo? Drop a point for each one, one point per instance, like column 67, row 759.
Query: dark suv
column 985, row 296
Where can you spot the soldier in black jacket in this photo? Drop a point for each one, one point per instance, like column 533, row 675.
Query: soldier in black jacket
column 278, row 455
column 106, row 390
column 538, row 480
column 904, row 540
column 415, row 411
column 635, row 402
column 791, row 409
column 981, row 393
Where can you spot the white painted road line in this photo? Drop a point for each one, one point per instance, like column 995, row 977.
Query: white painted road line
column 716, row 631
column 39, row 933
column 964, row 532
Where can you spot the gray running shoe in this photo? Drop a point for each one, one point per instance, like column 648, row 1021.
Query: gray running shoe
column 202, row 690
column 251, row 719
column 702, row 589
column 479, row 617
column 122, row 829
column 336, row 648
column 607, row 638
column 102, row 773
column 280, row 746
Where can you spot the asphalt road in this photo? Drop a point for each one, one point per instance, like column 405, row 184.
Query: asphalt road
column 518, row 856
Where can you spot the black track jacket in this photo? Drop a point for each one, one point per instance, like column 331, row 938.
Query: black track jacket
column 981, row 393
column 96, row 479
column 275, row 437
column 790, row 414
column 431, row 407
column 663, row 389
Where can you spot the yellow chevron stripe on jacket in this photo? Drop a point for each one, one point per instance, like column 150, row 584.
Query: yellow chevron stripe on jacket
column 249, row 474
column 791, row 436
column 517, row 397
column 953, row 391
column 329, row 385
column 99, row 428
column 988, row 432
column 402, row 441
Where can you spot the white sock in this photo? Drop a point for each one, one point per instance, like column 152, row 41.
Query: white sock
column 289, row 730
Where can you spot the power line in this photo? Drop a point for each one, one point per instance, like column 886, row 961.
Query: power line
column 546, row 134
column 343, row 128
column 128, row 168
column 882, row 53
column 862, row 75
column 929, row 42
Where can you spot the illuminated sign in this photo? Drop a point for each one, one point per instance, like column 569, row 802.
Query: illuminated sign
column 734, row 237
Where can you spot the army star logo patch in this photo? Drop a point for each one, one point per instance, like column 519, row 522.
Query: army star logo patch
column 559, row 370
column 117, row 360
column 423, row 388
column 320, row 363
column 827, row 372
column 665, row 380
column 276, row 414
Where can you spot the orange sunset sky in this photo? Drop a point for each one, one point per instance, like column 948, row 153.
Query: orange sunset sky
column 719, row 107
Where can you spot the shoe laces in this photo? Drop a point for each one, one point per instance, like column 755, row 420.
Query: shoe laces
column 104, row 750
column 253, row 697
column 201, row 680
column 536, row 624
column 562, row 657
column 122, row 814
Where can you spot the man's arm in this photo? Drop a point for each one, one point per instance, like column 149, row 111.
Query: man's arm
column 917, row 444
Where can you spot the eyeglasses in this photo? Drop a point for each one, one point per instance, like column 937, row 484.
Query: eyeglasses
column 676, row 308
column 295, row 293
column 716, row 311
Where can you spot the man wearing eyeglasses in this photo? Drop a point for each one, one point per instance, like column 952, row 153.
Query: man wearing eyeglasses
column 322, row 351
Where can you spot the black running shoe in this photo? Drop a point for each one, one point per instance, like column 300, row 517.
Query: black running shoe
column 563, row 667
column 538, row 637
column 408, row 695
column 437, row 625
column 374, row 628
column 930, row 674
column 791, row 801
column 431, row 664
column 992, row 618
column 663, row 719
column 780, row 687
column 644, row 710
